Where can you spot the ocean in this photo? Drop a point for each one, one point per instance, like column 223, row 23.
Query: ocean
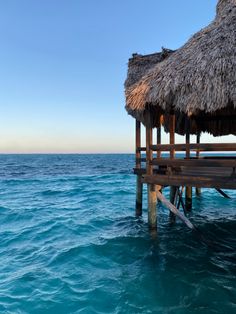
column 70, row 242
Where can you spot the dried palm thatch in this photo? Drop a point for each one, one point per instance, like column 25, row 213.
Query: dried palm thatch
column 197, row 80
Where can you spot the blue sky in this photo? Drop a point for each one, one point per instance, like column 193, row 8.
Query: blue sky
column 63, row 64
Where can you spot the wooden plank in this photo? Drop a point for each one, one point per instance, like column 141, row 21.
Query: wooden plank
column 188, row 180
column 211, row 147
column 194, row 162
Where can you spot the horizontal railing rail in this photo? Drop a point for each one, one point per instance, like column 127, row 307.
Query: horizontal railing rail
column 194, row 162
column 211, row 147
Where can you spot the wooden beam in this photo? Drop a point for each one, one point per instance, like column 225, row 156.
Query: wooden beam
column 223, row 193
column 174, row 210
column 194, row 162
column 190, row 180
column 211, row 147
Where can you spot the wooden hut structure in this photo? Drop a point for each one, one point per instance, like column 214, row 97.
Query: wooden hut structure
column 187, row 91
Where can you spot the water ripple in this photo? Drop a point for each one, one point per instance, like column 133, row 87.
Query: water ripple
column 70, row 242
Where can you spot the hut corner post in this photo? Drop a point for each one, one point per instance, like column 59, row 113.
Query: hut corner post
column 139, row 184
column 151, row 188
column 188, row 192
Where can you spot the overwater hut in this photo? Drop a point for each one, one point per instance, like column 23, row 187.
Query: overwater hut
column 187, row 91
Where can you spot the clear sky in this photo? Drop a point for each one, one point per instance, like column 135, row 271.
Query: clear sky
column 63, row 64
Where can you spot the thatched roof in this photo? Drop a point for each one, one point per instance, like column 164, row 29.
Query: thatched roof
column 198, row 80
column 139, row 65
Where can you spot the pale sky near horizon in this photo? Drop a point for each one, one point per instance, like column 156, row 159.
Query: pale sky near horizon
column 63, row 64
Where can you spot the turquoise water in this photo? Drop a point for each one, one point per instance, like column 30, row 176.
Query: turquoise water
column 70, row 242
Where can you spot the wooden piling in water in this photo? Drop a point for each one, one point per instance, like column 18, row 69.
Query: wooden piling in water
column 172, row 156
column 139, row 196
column 152, row 206
column 151, row 188
column 188, row 191
column 139, row 185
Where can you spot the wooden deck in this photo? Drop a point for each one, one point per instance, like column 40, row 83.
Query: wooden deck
column 214, row 172
column 191, row 169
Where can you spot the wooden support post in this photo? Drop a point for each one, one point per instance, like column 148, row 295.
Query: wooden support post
column 139, row 196
column 172, row 156
column 198, row 190
column 149, row 152
column 159, row 139
column 188, row 194
column 139, row 185
column 152, row 206
column 172, row 134
column 173, row 191
column 188, row 198
column 152, row 198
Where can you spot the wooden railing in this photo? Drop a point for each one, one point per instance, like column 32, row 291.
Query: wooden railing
column 187, row 147
column 209, row 147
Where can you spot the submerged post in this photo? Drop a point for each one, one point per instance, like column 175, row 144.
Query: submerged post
column 139, row 185
column 152, row 198
column 188, row 193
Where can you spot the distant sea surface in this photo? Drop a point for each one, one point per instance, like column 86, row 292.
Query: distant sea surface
column 70, row 243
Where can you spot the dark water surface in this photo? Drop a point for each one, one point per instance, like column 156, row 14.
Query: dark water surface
column 70, row 242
